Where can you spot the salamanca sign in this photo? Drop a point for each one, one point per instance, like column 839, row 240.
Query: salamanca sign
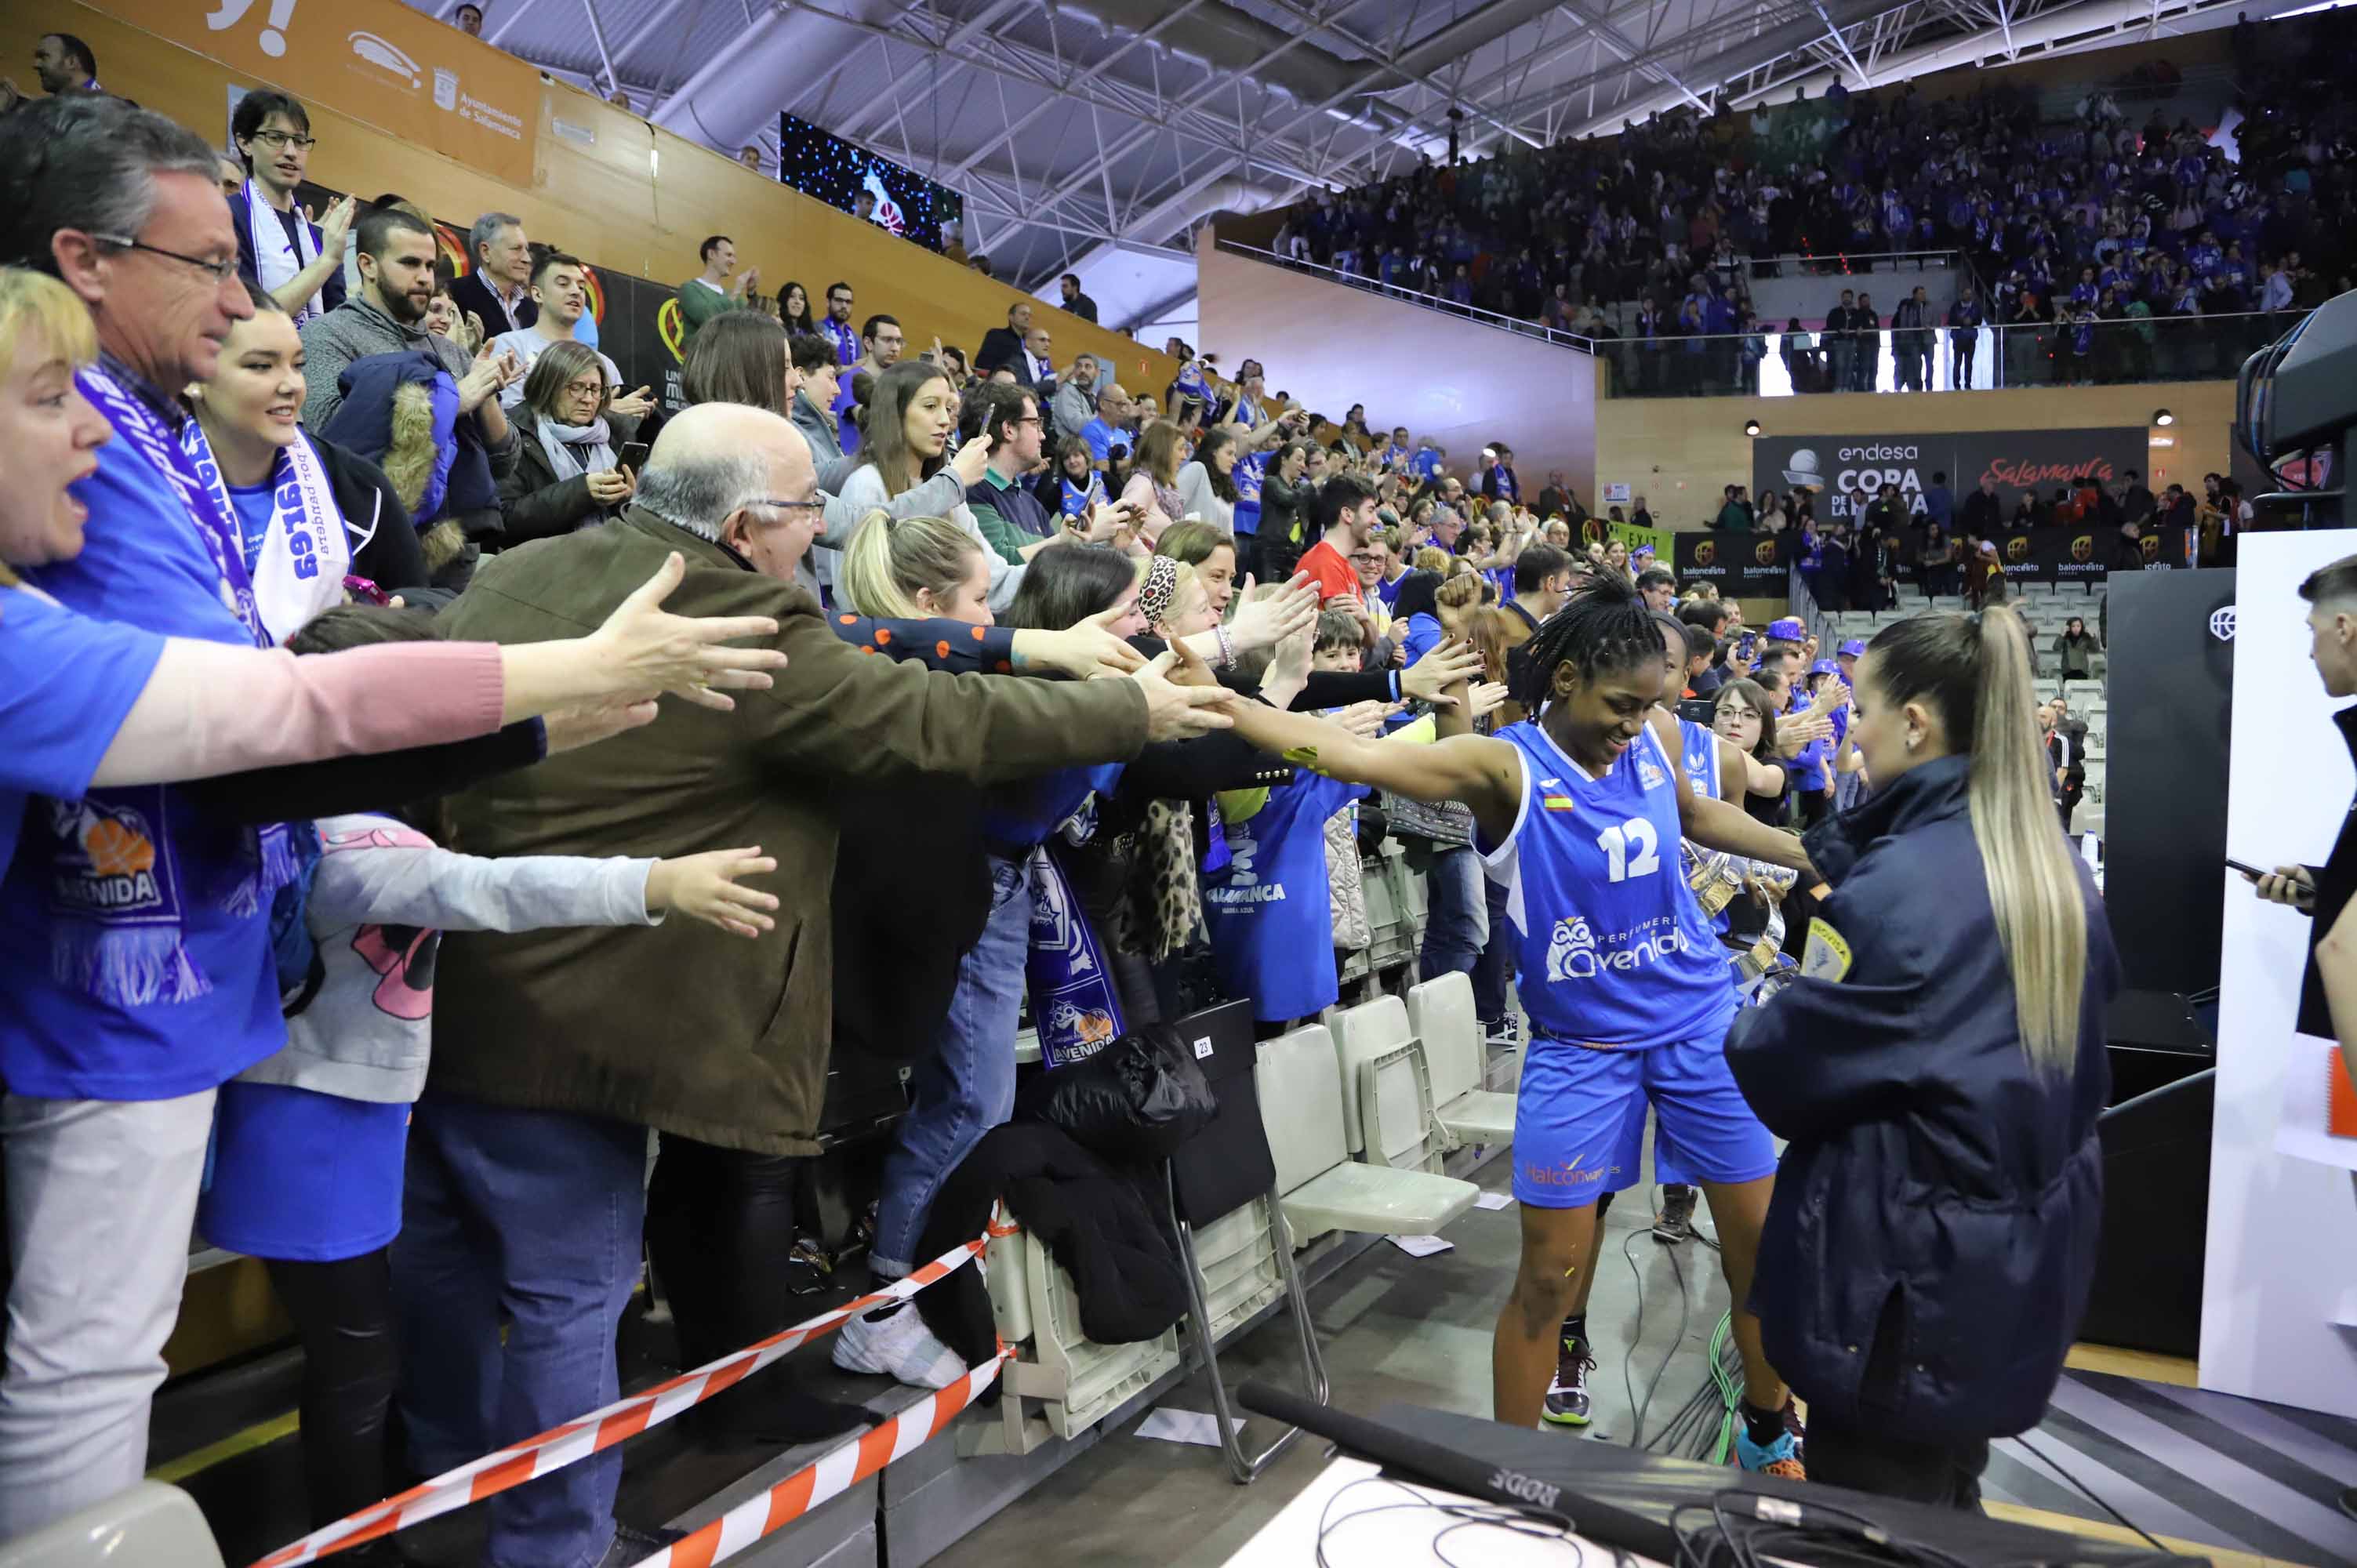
column 1848, row 471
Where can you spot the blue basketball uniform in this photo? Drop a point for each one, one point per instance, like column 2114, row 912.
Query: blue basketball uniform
column 1625, row 983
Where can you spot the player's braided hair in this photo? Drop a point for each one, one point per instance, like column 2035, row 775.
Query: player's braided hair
column 1606, row 627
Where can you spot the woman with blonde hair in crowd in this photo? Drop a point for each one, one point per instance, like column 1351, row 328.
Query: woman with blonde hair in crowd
column 909, row 568
column 1932, row 1239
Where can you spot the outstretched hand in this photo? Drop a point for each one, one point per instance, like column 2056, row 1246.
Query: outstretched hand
column 706, row 887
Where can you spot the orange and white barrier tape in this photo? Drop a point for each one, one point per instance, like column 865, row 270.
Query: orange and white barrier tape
column 829, row 1475
column 562, row 1445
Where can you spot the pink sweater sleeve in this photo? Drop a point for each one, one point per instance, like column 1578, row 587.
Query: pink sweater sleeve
column 210, row 709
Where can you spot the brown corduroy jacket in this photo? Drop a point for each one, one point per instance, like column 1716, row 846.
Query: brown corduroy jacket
column 679, row 1025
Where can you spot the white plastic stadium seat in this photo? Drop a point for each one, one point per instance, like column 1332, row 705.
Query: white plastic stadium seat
column 1441, row 1012
column 151, row 1523
column 1320, row 1187
column 1387, row 1096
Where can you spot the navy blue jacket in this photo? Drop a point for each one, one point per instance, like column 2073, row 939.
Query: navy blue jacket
column 1932, row 1239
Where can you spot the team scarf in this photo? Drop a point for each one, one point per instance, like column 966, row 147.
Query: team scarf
column 1066, row 970
column 299, row 570
column 120, row 872
column 275, row 260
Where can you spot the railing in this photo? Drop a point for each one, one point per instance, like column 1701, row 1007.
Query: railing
column 2159, row 349
column 1473, row 313
column 1842, row 264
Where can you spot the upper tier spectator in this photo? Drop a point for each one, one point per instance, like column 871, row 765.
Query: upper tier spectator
column 498, row 288
column 750, row 155
column 836, row 326
column 709, row 293
column 1034, row 369
column 299, row 263
column 469, row 17
column 1079, row 304
column 63, row 62
column 1003, row 346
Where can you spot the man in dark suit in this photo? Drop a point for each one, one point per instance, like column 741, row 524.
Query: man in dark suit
column 1079, row 304
column 1984, row 512
column 1033, row 367
column 1004, row 345
column 497, row 291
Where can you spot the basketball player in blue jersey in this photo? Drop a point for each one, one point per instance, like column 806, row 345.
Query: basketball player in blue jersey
column 1579, row 812
column 1715, row 769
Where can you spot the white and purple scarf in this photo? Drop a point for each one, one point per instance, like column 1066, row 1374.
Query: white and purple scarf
column 277, row 261
column 119, row 879
column 299, row 570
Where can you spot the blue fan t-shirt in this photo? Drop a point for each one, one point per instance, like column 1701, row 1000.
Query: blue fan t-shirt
column 67, row 682
column 1270, row 909
column 148, row 568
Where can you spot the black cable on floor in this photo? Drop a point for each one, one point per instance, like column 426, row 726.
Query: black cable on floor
column 1637, row 1428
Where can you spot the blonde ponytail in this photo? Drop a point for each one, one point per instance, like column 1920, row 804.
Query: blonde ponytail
column 1975, row 671
column 2033, row 885
column 890, row 559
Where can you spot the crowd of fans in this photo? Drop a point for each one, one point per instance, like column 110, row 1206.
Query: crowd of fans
column 1655, row 232
column 236, row 429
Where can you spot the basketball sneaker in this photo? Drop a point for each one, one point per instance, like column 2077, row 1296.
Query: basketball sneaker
column 1566, row 1398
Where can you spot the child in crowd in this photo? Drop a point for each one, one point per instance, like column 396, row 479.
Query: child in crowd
column 308, row 1145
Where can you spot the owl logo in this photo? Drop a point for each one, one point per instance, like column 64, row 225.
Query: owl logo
column 1243, row 850
column 1572, row 939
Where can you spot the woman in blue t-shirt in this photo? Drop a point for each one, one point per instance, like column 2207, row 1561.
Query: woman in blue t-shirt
column 1579, row 812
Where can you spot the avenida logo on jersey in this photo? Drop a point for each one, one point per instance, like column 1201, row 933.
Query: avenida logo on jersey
column 1572, row 952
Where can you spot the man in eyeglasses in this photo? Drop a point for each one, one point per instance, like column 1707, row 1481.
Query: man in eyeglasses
column 299, row 263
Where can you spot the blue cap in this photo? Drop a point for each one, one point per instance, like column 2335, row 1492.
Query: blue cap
column 1788, row 629
column 1853, row 648
column 1824, row 667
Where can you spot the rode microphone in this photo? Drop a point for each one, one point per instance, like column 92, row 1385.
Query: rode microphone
column 1500, row 1484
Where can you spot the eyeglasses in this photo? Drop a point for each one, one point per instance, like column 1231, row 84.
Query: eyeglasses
column 276, row 139
column 221, row 271
column 584, row 388
column 771, row 504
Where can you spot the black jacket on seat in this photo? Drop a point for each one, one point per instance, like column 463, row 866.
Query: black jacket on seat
column 1932, row 1241
column 1109, row 1228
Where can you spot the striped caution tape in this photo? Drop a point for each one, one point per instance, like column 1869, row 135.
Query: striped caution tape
column 562, row 1445
column 830, row 1475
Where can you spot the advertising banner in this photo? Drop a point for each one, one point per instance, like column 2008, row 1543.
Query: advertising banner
column 1743, row 565
column 375, row 60
column 2076, row 553
column 1845, row 471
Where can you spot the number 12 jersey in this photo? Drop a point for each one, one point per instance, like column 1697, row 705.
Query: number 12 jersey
column 1612, row 947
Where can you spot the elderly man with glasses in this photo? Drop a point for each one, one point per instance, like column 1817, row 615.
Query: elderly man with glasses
column 556, row 1050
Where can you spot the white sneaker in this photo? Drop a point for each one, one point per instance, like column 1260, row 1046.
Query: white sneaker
column 897, row 1345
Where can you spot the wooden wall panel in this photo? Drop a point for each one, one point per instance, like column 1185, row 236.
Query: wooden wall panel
column 603, row 197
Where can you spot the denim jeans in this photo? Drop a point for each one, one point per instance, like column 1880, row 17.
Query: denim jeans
column 1495, row 968
column 967, row 1085
column 1457, row 914
column 538, row 1212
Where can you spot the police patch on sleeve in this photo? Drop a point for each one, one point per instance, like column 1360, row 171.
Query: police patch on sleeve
column 1827, row 954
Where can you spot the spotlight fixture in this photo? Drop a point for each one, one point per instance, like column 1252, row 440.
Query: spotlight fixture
column 2162, row 417
column 1750, row 427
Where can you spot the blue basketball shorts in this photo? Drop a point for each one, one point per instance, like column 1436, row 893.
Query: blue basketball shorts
column 1580, row 1120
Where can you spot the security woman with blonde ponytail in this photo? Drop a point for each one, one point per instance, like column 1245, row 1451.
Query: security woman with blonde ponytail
column 1938, row 1072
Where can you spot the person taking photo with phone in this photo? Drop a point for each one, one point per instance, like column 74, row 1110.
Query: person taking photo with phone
column 568, row 472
